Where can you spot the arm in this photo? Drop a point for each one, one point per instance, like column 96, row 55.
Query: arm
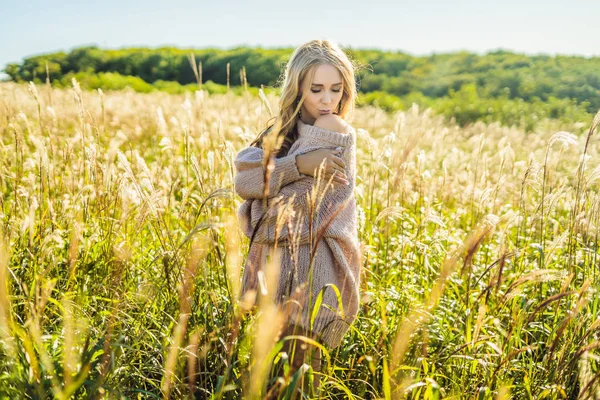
column 250, row 173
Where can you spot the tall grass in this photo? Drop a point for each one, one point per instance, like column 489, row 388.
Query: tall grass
column 121, row 255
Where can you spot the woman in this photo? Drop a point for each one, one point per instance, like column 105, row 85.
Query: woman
column 313, row 174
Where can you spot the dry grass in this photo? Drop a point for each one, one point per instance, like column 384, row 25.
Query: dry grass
column 123, row 258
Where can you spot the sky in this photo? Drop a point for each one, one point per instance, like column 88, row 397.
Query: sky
column 417, row 27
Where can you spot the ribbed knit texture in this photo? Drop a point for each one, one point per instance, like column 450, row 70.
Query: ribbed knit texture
column 337, row 258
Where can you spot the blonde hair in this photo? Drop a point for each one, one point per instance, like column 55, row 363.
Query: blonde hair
column 303, row 63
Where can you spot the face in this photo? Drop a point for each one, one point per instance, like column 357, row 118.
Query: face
column 324, row 96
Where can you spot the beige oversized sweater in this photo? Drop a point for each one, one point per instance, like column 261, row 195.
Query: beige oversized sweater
column 337, row 258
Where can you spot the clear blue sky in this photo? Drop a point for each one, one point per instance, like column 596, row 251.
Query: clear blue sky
column 418, row 26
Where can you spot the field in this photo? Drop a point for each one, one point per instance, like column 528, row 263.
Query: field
column 121, row 253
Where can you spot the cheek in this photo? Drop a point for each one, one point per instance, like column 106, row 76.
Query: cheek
column 312, row 100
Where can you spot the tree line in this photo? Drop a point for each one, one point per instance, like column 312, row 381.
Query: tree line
column 390, row 79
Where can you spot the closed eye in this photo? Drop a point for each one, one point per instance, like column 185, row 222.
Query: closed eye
column 317, row 91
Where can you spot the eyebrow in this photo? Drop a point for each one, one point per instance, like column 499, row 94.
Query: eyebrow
column 318, row 84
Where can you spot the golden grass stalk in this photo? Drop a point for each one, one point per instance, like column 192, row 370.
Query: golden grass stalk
column 269, row 324
column 228, row 75
column 265, row 101
column 535, row 276
column 421, row 314
column 233, row 259
column 581, row 304
column 75, row 371
column 589, row 387
column 185, row 288
column 6, row 319
column 196, row 68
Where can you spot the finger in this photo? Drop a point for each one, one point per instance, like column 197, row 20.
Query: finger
column 339, row 161
column 335, row 152
column 331, row 175
column 333, row 165
column 332, row 170
column 324, row 176
column 342, row 181
column 340, row 172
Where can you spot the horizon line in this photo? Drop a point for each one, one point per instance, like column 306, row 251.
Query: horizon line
column 279, row 47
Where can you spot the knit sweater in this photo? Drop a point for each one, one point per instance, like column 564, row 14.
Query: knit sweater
column 337, row 258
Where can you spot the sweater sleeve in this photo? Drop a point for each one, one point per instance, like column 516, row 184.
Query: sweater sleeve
column 250, row 175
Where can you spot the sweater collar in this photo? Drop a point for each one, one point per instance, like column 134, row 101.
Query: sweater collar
column 337, row 138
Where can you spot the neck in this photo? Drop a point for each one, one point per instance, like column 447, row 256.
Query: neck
column 307, row 119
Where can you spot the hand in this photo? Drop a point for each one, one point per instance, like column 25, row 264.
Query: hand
column 308, row 164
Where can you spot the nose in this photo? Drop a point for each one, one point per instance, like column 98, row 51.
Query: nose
column 326, row 98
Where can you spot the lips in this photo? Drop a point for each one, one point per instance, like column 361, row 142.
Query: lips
column 324, row 111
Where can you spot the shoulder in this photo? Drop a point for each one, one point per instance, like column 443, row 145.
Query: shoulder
column 332, row 122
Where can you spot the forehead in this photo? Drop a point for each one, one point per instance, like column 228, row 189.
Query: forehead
column 326, row 74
